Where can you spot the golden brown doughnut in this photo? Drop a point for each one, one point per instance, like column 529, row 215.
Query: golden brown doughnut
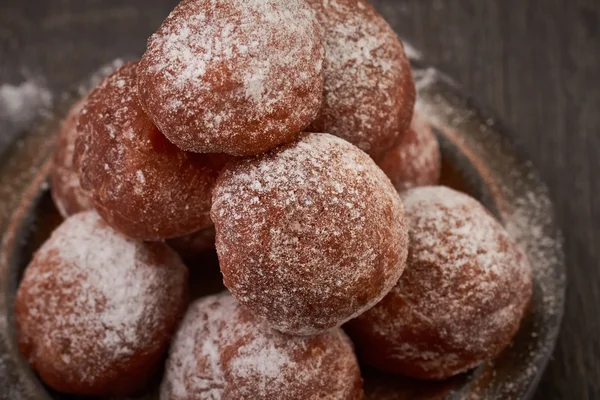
column 461, row 299
column 140, row 183
column 369, row 88
column 310, row 234
column 222, row 351
column 236, row 77
column 95, row 311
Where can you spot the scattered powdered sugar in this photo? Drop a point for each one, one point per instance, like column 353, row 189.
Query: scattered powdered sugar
column 92, row 299
column 309, row 235
column 20, row 106
column 411, row 51
column 21, row 103
column 369, row 93
column 222, row 351
column 101, row 73
column 536, row 241
column 263, row 58
column 424, row 78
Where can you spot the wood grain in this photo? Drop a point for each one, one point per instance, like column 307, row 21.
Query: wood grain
column 536, row 62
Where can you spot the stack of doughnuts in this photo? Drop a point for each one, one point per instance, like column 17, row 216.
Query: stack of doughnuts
column 280, row 134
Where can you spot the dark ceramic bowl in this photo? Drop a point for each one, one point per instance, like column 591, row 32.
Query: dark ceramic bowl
column 478, row 158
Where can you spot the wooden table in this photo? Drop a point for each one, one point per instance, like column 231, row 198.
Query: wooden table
column 536, row 62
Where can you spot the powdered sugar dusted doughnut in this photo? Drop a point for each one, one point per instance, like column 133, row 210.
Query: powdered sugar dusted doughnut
column 461, row 298
column 140, row 183
column 416, row 160
column 67, row 193
column 222, row 351
column 237, row 77
column 309, row 235
column 95, row 311
column 369, row 89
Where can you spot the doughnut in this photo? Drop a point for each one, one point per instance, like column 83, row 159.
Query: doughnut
column 461, row 299
column 236, row 77
column 67, row 193
column 416, row 160
column 369, row 89
column 95, row 311
column 310, row 234
column 222, row 351
column 140, row 183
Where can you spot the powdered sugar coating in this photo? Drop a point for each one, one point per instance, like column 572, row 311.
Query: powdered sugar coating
column 461, row 298
column 140, row 183
column 95, row 310
column 238, row 77
column 222, row 351
column 309, row 235
column 416, row 160
column 67, row 193
column 369, row 90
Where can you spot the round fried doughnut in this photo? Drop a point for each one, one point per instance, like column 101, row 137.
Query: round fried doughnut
column 369, row 89
column 222, row 351
column 416, row 160
column 236, row 77
column 67, row 193
column 310, row 234
column 140, row 183
column 95, row 311
column 461, row 299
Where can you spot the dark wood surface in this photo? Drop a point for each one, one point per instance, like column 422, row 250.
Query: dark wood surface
column 536, row 62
